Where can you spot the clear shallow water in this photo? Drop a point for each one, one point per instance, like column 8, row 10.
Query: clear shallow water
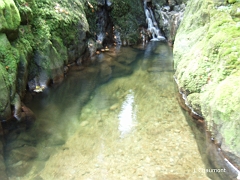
column 128, row 128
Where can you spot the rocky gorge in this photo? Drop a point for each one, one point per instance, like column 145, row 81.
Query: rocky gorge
column 42, row 41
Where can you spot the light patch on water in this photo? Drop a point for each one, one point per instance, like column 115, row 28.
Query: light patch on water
column 127, row 115
column 140, row 109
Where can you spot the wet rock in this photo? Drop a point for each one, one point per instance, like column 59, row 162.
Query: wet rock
column 54, row 67
column 23, row 65
column 6, row 51
column 27, row 117
column 24, row 153
column 45, row 152
column 114, row 107
column 194, row 102
column 218, row 161
column 15, row 144
column 169, row 18
column 218, row 86
column 55, row 140
column 19, row 169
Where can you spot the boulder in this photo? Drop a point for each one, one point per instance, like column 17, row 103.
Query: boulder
column 24, row 153
column 206, row 59
column 9, row 16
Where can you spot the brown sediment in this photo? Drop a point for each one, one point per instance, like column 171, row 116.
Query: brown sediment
column 217, row 158
column 182, row 103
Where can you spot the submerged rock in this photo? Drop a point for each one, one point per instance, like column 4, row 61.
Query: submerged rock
column 19, row 169
column 24, row 153
column 114, row 106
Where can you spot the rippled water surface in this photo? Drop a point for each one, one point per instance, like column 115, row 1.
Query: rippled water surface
column 130, row 127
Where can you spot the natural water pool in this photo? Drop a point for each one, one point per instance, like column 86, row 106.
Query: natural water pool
column 130, row 127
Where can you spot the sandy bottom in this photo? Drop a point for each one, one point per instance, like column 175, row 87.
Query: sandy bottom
column 132, row 128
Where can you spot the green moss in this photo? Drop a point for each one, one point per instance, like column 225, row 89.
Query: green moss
column 4, row 95
column 220, row 104
column 207, row 61
column 231, row 1
column 230, row 132
column 225, row 92
column 51, row 26
column 194, row 102
column 25, row 11
column 235, row 13
column 121, row 8
column 127, row 17
column 90, row 11
column 26, row 40
column 9, row 16
column 9, row 58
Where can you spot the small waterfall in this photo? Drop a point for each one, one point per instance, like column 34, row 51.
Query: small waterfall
column 152, row 24
column 169, row 19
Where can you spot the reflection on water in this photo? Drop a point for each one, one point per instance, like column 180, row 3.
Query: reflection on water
column 127, row 115
column 130, row 127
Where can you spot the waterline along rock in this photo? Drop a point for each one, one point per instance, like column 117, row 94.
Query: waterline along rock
column 206, row 59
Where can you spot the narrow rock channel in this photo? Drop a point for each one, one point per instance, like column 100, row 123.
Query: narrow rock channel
column 132, row 128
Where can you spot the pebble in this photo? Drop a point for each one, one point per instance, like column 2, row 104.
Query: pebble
column 177, row 131
column 148, row 160
column 114, row 107
column 84, row 123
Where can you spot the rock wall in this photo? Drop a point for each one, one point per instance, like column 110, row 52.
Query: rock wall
column 169, row 14
column 206, row 59
column 38, row 38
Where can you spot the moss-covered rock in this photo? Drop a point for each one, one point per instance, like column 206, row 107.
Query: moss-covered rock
column 207, row 59
column 9, row 58
column 5, row 111
column 194, row 102
column 127, row 17
column 9, row 16
column 24, row 46
column 220, row 107
column 51, row 35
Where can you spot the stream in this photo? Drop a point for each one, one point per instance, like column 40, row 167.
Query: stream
column 129, row 127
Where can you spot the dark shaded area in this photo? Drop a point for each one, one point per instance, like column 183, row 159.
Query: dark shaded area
column 216, row 166
column 23, row 138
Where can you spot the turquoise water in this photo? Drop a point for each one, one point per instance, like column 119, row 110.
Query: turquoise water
column 126, row 124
